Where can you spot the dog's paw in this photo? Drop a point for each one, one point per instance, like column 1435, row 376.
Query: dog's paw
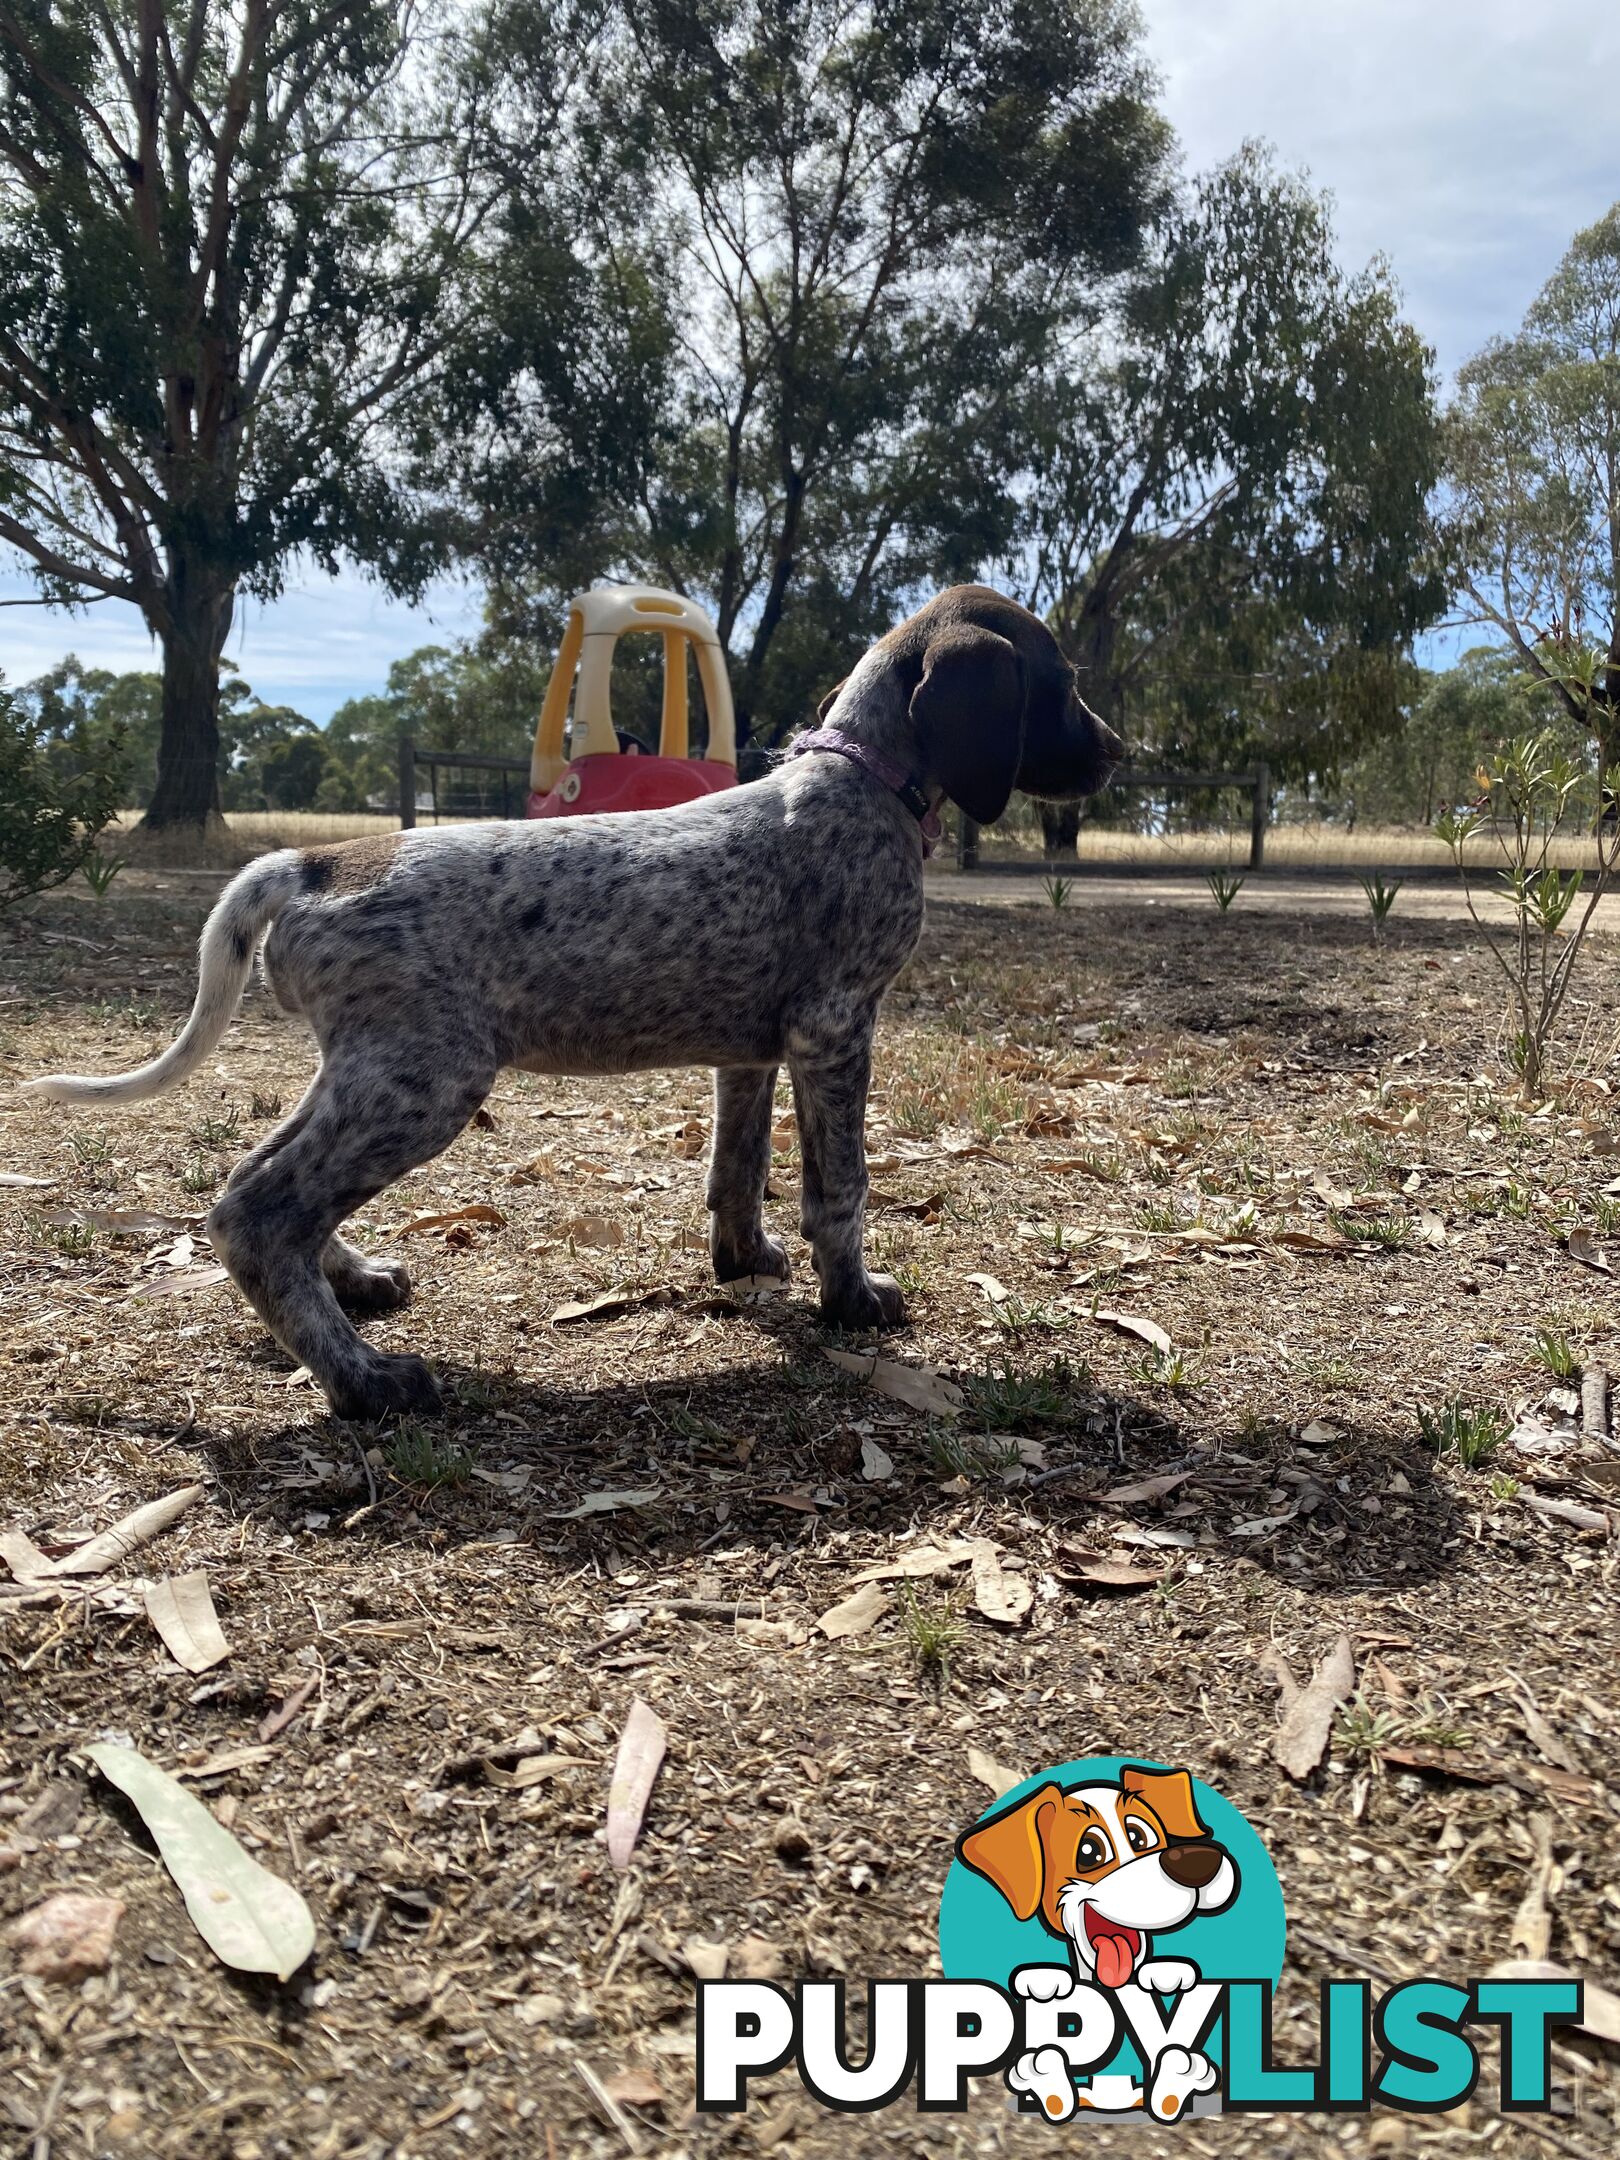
column 1043, row 1983
column 869, row 1301
column 1044, row 2074
column 1167, row 1976
column 1178, row 2075
column 378, row 1286
column 763, row 1255
column 385, row 1386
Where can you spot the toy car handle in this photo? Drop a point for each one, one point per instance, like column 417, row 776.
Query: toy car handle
column 596, row 621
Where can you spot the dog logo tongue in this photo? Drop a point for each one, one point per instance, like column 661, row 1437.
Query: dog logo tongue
column 1116, row 1955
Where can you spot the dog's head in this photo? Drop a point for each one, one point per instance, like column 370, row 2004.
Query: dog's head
column 992, row 703
column 1105, row 1866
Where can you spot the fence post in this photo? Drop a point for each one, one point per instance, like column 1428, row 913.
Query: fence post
column 967, row 844
column 1259, row 816
column 407, row 784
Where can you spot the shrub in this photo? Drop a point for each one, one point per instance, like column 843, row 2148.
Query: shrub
column 50, row 818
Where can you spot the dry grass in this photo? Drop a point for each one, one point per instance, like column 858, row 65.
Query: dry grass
column 1318, row 846
column 265, row 829
column 1288, row 847
column 1100, row 1105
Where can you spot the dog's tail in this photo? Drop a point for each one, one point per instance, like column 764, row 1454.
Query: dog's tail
column 247, row 906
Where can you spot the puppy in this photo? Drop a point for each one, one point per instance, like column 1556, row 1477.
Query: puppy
column 751, row 928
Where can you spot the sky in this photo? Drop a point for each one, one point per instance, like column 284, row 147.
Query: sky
column 1466, row 140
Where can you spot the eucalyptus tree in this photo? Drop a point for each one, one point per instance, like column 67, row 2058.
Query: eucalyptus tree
column 1227, row 507
column 236, row 238
column 831, row 247
column 1533, row 471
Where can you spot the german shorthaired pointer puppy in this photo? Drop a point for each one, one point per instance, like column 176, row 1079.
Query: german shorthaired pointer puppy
column 750, row 928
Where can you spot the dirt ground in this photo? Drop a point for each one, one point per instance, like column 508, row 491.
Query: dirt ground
column 1287, row 1148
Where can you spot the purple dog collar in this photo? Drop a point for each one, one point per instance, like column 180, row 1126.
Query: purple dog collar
column 898, row 782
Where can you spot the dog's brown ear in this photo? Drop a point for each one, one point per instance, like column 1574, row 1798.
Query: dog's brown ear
column 831, row 699
column 968, row 711
column 1169, row 1794
column 1008, row 1852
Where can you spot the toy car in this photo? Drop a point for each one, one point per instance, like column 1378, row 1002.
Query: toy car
column 596, row 770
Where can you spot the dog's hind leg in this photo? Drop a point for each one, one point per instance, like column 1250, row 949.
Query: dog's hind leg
column 362, row 1285
column 379, row 1107
column 829, row 1093
column 739, row 1242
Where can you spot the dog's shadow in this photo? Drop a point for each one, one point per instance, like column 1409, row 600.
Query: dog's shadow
column 775, row 1451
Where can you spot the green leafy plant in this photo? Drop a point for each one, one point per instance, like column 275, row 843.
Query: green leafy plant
column 419, row 1457
column 1004, row 1400
column 1390, row 1232
column 1380, row 900
column 1535, row 796
column 99, row 872
column 1553, row 1350
column 50, row 817
column 1224, row 887
column 1471, row 1433
column 1057, row 890
column 933, row 1631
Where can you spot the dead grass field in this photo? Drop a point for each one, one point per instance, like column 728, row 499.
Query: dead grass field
column 1284, row 1147
column 1310, row 847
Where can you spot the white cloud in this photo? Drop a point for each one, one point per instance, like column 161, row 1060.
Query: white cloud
column 1467, row 140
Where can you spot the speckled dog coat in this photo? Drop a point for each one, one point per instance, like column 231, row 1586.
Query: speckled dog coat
column 751, row 928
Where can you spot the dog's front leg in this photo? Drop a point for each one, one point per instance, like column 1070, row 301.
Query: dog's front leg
column 740, row 1163
column 829, row 1092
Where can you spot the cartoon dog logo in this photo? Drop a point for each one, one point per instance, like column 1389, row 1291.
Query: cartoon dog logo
column 1107, row 1869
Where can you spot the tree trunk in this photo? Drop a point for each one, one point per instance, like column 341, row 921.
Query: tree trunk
column 184, row 817
column 1090, row 649
column 1060, row 823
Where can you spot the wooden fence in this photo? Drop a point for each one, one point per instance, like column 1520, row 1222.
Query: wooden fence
column 1256, row 785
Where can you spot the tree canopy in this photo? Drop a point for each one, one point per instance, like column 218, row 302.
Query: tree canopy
column 234, row 237
column 1226, row 516
column 1533, row 471
column 826, row 249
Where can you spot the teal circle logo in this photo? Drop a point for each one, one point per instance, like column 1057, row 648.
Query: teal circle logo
column 1113, row 1873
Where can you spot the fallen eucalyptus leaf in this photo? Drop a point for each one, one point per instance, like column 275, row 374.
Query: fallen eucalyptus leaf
column 992, row 1774
column 641, row 1750
column 609, row 1503
column 918, row 1386
column 249, row 1918
column 116, row 1544
column 1148, row 1331
column 856, row 1614
column 182, row 1610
